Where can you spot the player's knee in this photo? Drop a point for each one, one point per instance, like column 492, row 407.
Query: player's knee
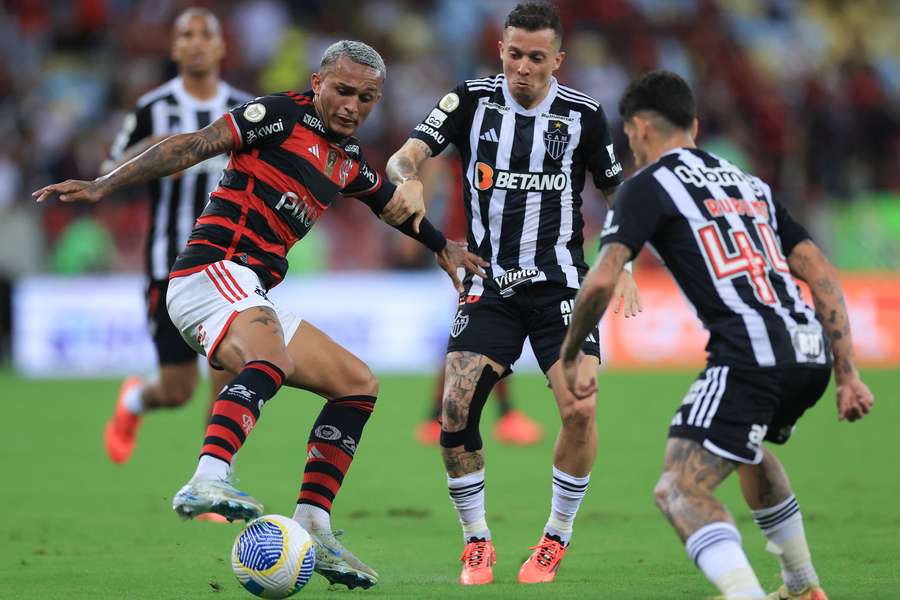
column 469, row 438
column 366, row 381
column 579, row 415
column 280, row 359
column 665, row 491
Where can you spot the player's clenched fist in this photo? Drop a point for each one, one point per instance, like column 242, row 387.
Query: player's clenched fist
column 854, row 399
column 72, row 190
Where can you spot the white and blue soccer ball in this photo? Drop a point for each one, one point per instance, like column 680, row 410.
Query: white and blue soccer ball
column 273, row 557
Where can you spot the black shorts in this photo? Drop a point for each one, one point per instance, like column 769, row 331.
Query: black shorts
column 731, row 410
column 170, row 346
column 496, row 327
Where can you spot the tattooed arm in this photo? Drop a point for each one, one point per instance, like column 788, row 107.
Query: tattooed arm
column 592, row 300
column 404, row 164
column 169, row 156
column 403, row 171
column 808, row 264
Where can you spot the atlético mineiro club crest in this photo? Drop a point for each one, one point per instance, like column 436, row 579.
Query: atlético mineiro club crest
column 556, row 139
column 459, row 323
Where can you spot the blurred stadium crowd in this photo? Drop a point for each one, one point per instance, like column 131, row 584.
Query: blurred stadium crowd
column 805, row 94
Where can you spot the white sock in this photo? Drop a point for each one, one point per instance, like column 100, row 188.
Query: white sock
column 782, row 525
column 568, row 492
column 134, row 399
column 716, row 548
column 313, row 517
column 210, row 467
column 467, row 494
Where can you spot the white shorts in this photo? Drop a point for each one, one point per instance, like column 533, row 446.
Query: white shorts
column 203, row 304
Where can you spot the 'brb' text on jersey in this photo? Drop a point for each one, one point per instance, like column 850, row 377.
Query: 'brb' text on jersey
column 523, row 173
column 286, row 170
column 724, row 239
column 176, row 201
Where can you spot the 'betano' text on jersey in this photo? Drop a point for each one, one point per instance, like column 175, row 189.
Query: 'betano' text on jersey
column 523, row 173
column 725, row 240
column 286, row 169
column 176, row 201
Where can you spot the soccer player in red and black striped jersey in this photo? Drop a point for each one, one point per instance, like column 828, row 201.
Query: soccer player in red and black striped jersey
column 291, row 156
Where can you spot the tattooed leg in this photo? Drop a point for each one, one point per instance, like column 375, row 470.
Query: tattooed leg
column 685, row 490
column 765, row 484
column 462, row 374
column 255, row 334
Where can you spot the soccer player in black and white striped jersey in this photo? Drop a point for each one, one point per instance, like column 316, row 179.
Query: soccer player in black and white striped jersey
column 189, row 102
column 527, row 144
column 733, row 250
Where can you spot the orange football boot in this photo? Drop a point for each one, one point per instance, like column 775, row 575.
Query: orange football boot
column 478, row 560
column 517, row 429
column 543, row 564
column 121, row 430
column 428, row 433
column 211, row 517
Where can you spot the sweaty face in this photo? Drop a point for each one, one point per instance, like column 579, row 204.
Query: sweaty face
column 198, row 46
column 346, row 92
column 529, row 59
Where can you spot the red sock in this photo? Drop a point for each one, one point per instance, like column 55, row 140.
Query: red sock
column 236, row 411
column 332, row 444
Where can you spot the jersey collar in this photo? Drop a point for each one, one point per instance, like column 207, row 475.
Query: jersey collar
column 544, row 105
column 185, row 98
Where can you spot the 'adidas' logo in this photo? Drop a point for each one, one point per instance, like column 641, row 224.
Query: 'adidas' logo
column 314, row 150
column 489, row 136
column 314, row 453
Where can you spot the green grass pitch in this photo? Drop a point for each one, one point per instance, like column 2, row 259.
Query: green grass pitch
column 74, row 525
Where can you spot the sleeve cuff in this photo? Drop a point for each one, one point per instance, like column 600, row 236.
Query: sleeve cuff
column 235, row 130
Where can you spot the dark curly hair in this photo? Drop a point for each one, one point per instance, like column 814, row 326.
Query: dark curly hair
column 662, row 92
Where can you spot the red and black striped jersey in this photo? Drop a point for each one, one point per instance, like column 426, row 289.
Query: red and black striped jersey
column 285, row 171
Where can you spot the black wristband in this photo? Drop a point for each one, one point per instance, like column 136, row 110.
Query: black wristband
column 429, row 236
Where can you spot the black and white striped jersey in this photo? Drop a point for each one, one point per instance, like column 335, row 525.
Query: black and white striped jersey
column 724, row 238
column 176, row 201
column 523, row 174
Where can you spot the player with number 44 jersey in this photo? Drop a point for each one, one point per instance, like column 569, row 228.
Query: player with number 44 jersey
column 734, row 250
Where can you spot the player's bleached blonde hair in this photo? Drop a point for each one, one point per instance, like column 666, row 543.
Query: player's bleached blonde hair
column 358, row 52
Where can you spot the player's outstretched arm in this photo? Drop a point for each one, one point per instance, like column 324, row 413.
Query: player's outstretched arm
column 592, row 300
column 169, row 156
column 111, row 163
column 808, row 264
column 403, row 171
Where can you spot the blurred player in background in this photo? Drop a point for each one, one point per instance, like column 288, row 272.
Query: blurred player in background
column 527, row 143
column 732, row 249
column 291, row 156
column 189, row 102
column 513, row 427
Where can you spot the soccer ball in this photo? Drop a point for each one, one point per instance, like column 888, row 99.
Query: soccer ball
column 273, row 557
